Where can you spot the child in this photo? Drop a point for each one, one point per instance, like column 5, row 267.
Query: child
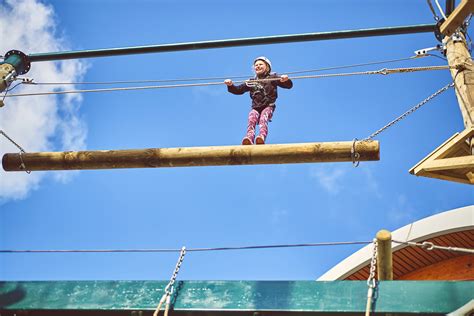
column 263, row 95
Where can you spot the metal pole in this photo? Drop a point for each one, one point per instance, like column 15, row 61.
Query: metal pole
column 384, row 255
column 278, row 39
column 450, row 4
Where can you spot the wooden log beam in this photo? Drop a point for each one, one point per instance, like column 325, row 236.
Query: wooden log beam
column 457, row 17
column 192, row 156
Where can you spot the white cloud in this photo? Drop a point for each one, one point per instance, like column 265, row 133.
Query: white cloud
column 333, row 178
column 37, row 123
column 330, row 179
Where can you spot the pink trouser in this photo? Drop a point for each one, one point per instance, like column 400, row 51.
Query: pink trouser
column 262, row 119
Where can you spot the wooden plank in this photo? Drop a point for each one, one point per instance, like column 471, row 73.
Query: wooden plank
column 449, row 164
column 230, row 297
column 453, row 178
column 449, row 146
column 457, row 17
column 193, row 156
column 458, row 268
column 470, row 177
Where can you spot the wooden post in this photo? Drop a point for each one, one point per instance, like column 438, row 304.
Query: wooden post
column 458, row 55
column 384, row 255
column 192, row 156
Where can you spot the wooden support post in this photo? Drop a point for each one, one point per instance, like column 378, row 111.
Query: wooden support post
column 384, row 255
column 458, row 55
column 192, row 156
column 453, row 160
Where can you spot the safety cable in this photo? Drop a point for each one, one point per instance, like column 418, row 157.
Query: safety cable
column 384, row 71
column 435, row 16
column 441, row 10
column 430, row 246
column 342, row 243
column 32, row 82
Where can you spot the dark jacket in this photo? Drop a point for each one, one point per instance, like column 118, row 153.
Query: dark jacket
column 263, row 94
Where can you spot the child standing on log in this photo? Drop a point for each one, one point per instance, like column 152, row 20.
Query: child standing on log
column 263, row 94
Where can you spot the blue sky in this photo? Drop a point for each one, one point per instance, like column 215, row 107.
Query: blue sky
column 216, row 206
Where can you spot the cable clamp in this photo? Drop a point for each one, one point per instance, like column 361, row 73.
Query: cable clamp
column 424, row 51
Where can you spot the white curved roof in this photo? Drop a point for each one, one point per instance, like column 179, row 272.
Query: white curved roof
column 460, row 219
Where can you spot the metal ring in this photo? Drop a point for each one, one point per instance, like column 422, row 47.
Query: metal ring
column 354, row 154
column 22, row 165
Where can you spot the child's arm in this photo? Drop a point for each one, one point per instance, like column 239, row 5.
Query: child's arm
column 240, row 89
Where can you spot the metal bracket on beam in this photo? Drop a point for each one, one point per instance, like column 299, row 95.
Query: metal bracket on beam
column 15, row 63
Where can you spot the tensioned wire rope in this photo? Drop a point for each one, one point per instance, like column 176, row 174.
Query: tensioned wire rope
column 194, row 249
column 425, row 245
column 383, row 71
column 28, row 81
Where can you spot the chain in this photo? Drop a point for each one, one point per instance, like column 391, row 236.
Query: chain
column 22, row 151
column 413, row 109
column 170, row 288
column 371, row 282
column 176, row 270
column 430, row 246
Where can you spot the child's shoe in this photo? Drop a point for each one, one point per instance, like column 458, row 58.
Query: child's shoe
column 247, row 141
column 260, row 140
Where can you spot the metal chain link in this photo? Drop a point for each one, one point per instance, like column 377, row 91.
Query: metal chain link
column 22, row 151
column 170, row 288
column 413, row 109
column 371, row 282
column 176, row 270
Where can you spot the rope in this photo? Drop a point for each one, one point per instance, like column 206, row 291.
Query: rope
column 430, row 246
column 342, row 243
column 383, row 71
column 169, row 288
